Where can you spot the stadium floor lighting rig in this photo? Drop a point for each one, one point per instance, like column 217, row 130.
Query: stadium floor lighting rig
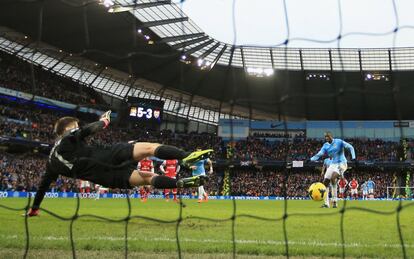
column 318, row 76
column 259, row 71
column 377, row 76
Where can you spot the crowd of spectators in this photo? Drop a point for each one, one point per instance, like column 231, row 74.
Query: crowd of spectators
column 30, row 122
column 23, row 173
column 35, row 124
column 272, row 183
column 301, row 149
column 17, row 75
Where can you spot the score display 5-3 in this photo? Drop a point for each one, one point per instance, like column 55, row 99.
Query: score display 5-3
column 142, row 112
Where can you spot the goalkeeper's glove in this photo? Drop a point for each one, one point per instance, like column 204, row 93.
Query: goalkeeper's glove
column 33, row 212
column 106, row 118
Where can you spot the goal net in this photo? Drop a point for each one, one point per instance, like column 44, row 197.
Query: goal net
column 400, row 192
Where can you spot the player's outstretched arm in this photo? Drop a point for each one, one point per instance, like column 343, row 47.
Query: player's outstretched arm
column 318, row 155
column 45, row 182
column 351, row 149
column 94, row 127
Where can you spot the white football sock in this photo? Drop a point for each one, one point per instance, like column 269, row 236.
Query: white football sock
column 334, row 193
column 200, row 192
column 327, row 196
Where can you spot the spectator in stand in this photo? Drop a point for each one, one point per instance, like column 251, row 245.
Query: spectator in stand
column 16, row 74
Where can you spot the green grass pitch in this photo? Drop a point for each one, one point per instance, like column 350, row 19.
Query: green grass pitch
column 310, row 234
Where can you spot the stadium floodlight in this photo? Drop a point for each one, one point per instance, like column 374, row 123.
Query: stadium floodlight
column 200, row 62
column 108, row 3
column 376, row 76
column 186, row 59
column 318, row 76
column 268, row 71
column 260, row 71
column 119, row 9
column 203, row 64
column 139, row 31
column 147, row 37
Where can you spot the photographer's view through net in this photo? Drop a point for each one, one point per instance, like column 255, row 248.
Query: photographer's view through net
column 206, row 129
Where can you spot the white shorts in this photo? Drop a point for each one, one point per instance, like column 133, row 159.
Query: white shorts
column 341, row 190
column 364, row 193
column 100, row 188
column 354, row 191
column 85, row 184
column 335, row 168
column 370, row 190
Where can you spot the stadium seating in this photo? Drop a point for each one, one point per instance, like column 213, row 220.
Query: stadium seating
column 29, row 122
column 16, row 74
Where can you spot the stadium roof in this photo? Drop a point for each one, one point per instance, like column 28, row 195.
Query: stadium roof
column 175, row 28
column 307, row 83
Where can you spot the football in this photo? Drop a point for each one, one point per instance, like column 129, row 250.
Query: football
column 317, row 191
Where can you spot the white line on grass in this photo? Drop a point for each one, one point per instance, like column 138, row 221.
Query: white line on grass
column 239, row 241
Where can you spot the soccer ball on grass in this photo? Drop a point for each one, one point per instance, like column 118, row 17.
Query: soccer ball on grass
column 317, row 191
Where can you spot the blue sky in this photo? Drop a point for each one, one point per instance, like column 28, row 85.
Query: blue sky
column 262, row 22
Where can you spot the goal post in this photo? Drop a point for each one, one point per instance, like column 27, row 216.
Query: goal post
column 400, row 192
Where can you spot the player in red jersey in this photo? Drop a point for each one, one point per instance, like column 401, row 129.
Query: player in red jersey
column 84, row 186
column 342, row 183
column 170, row 168
column 145, row 165
column 354, row 188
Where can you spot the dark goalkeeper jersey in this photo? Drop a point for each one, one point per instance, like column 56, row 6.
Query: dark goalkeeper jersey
column 70, row 157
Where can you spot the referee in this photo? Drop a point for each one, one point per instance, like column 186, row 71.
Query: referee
column 113, row 166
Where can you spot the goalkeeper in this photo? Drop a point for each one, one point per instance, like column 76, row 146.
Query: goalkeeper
column 113, row 166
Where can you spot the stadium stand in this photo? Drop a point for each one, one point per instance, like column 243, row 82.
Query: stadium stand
column 22, row 173
column 27, row 121
column 16, row 74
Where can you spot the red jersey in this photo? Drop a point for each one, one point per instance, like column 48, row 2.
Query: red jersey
column 342, row 183
column 146, row 165
column 171, row 168
column 353, row 184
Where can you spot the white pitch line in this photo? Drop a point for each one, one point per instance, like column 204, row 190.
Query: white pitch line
column 238, row 241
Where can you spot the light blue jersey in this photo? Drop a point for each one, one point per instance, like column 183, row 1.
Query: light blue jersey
column 370, row 184
column 200, row 170
column 335, row 150
column 365, row 187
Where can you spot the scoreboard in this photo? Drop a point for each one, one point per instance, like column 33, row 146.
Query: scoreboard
column 146, row 110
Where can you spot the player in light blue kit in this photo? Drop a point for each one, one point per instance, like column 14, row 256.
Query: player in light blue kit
column 335, row 149
column 198, row 169
column 364, row 188
column 370, row 186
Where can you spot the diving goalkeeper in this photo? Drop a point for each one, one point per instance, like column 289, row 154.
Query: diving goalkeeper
column 113, row 166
